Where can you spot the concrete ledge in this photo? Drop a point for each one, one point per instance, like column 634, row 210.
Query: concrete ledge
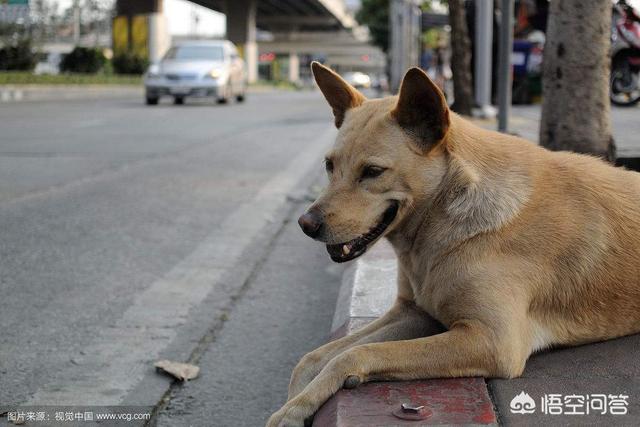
column 368, row 290
column 17, row 93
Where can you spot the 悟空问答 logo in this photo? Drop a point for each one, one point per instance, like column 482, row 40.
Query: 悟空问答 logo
column 522, row 404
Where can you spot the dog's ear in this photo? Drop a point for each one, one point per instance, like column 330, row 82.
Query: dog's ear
column 340, row 95
column 422, row 109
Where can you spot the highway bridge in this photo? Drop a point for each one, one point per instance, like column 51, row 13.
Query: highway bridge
column 323, row 25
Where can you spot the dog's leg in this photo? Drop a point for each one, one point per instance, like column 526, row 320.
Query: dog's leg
column 403, row 321
column 468, row 349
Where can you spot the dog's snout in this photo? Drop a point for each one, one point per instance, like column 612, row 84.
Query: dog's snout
column 311, row 223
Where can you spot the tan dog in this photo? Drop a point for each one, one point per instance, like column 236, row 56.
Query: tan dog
column 511, row 247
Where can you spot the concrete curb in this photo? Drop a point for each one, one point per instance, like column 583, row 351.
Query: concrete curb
column 368, row 289
column 18, row 93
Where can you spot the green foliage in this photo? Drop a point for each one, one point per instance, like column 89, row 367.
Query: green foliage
column 17, row 56
column 375, row 15
column 129, row 63
column 431, row 38
column 427, row 5
column 27, row 78
column 83, row 60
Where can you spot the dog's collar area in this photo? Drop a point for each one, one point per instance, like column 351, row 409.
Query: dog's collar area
column 343, row 252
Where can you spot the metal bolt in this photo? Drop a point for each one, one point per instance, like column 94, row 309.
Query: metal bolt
column 412, row 412
column 411, row 409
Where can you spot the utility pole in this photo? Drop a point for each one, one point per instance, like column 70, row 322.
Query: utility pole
column 504, row 66
column 76, row 22
column 405, row 21
column 483, row 55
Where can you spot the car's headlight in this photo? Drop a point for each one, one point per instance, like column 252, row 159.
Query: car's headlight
column 214, row 74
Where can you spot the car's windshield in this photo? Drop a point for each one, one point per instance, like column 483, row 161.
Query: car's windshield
column 195, row 53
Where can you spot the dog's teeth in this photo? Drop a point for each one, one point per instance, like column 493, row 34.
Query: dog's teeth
column 345, row 250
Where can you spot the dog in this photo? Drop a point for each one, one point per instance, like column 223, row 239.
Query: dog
column 511, row 247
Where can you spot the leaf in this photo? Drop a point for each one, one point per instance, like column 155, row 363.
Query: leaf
column 181, row 371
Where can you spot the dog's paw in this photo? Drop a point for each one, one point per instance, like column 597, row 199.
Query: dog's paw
column 287, row 416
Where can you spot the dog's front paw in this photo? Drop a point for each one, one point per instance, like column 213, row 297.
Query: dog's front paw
column 287, row 416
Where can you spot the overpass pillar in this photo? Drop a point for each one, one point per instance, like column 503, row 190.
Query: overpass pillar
column 294, row 67
column 140, row 28
column 241, row 30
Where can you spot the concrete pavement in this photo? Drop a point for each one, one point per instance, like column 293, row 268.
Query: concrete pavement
column 625, row 124
column 130, row 233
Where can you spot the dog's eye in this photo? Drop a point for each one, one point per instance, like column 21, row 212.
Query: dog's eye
column 372, row 172
column 328, row 165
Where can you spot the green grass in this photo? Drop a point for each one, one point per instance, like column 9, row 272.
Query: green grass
column 26, row 78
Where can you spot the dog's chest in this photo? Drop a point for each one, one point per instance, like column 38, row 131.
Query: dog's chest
column 428, row 295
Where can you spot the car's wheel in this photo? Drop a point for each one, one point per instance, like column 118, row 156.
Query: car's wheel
column 240, row 97
column 178, row 100
column 226, row 95
column 150, row 100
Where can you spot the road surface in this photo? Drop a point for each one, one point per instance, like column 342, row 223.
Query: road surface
column 130, row 234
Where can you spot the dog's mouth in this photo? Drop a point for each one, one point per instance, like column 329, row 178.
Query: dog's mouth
column 343, row 252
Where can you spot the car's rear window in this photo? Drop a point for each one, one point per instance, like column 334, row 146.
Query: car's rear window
column 195, row 53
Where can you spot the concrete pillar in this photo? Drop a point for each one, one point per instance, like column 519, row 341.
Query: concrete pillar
column 484, row 40
column 159, row 38
column 140, row 26
column 294, row 67
column 241, row 30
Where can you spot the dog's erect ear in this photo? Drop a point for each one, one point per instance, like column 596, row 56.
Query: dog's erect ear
column 339, row 94
column 422, row 109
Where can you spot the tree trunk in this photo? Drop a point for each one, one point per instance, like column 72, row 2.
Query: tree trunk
column 460, row 59
column 575, row 81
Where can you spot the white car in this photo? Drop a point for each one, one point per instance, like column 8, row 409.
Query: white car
column 197, row 69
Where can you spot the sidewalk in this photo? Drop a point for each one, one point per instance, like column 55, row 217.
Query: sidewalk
column 568, row 381
column 60, row 92
column 525, row 121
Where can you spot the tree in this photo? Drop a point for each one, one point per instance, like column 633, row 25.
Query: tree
column 575, row 80
column 375, row 15
column 460, row 58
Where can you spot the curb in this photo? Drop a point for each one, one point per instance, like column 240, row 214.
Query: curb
column 368, row 291
column 19, row 93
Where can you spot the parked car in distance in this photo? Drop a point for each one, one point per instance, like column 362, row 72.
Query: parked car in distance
column 197, row 69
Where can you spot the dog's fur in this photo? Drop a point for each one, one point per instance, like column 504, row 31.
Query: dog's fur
column 511, row 247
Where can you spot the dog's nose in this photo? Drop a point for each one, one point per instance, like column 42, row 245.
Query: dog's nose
column 311, row 223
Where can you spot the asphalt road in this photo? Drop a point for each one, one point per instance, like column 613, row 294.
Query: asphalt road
column 130, row 234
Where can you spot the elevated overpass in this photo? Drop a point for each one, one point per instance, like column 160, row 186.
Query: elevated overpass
column 244, row 17
column 288, row 15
